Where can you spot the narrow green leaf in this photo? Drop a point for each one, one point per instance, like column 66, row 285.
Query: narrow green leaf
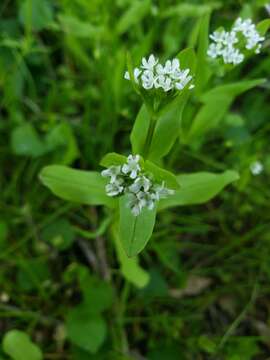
column 167, row 128
column 84, row 187
column 198, row 188
column 162, row 175
column 140, row 130
column 113, row 159
column 18, row 345
column 135, row 231
column 233, row 89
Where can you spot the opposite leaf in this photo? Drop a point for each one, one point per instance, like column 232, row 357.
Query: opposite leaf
column 113, row 158
column 161, row 175
column 135, row 231
column 198, row 188
column 84, row 187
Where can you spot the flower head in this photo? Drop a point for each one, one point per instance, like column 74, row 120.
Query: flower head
column 256, row 168
column 131, row 179
column 151, row 74
column 229, row 44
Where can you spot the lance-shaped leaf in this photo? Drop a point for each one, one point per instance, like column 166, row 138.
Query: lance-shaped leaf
column 216, row 103
column 135, row 231
column 84, row 187
column 198, row 188
column 263, row 26
column 140, row 129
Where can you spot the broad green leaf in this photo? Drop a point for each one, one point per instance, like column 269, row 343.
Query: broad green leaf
column 113, row 159
column 140, row 130
column 137, row 11
column 198, row 188
column 161, row 175
column 167, row 128
column 135, row 231
column 36, row 14
column 86, row 330
column 130, row 267
column 26, row 141
column 18, row 345
column 98, row 295
column 263, row 26
column 84, row 187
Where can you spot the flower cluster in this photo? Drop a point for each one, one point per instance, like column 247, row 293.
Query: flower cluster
column 151, row 74
column 225, row 42
column 256, row 168
column 130, row 179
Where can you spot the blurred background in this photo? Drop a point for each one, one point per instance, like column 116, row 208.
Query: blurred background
column 64, row 100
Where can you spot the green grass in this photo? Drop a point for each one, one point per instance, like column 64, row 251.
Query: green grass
column 64, row 101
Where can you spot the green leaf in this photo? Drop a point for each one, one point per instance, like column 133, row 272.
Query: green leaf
column 18, row 345
column 84, row 187
column 79, row 29
column 167, row 128
column 98, row 295
column 198, row 188
column 135, row 231
column 85, row 330
column 136, row 12
column 36, row 14
column 161, row 175
column 113, row 159
column 263, row 26
column 188, row 60
column 232, row 90
column 130, row 268
column 140, row 130
column 25, row 141
column 216, row 103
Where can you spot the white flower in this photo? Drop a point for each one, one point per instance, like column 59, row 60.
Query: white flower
column 147, row 199
column 163, row 82
column 161, row 192
column 135, row 204
column 142, row 182
column 151, row 74
column 136, row 74
column 115, row 188
column 112, row 172
column 256, row 168
column 132, row 166
column 224, row 43
column 150, row 63
column 148, row 79
column 267, row 7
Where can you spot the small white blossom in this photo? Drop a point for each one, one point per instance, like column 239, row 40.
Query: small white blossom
column 112, row 172
column 161, row 192
column 142, row 182
column 150, row 63
column 267, row 8
column 115, row 188
column 132, row 166
column 148, row 79
column 256, row 168
column 136, row 74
